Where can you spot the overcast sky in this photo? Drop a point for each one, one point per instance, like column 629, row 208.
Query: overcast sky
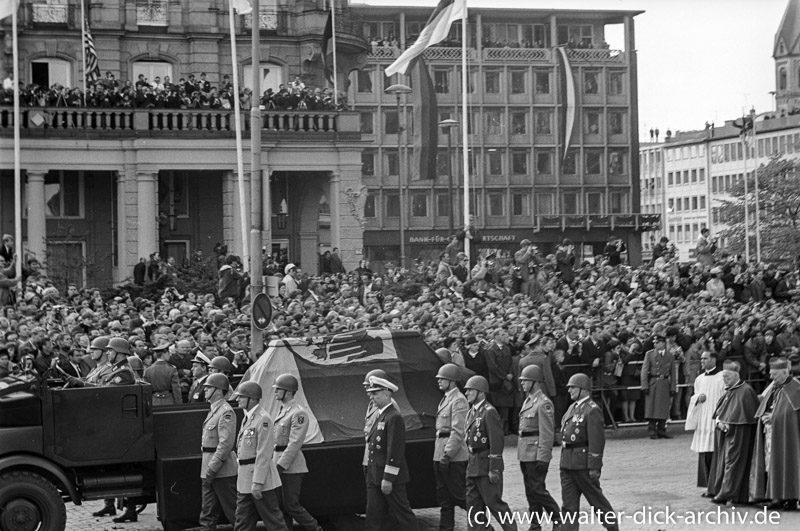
column 699, row 60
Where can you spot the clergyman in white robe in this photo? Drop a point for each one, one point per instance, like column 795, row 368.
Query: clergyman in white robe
column 699, row 418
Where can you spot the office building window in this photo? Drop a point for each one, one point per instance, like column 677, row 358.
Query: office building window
column 590, row 85
column 571, row 162
column 390, row 123
column 519, row 162
column 63, row 192
column 369, row 206
column 419, row 205
column 519, row 123
column 494, row 162
column 518, row 85
column 368, row 163
column 591, row 122
column 619, row 203
column 494, row 122
column 441, row 81
column 542, row 82
column 544, row 123
column 544, row 162
column 594, row 203
column 367, row 125
column 392, row 163
column 594, row 162
column 364, row 81
column 702, row 202
column 492, row 82
column 571, row 204
column 544, row 204
column 392, row 206
column 520, row 204
column 443, row 205
column 616, row 83
column 495, row 204
column 616, row 123
column 617, row 162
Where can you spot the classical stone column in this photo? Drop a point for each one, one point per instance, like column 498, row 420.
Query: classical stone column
column 37, row 226
column 147, row 210
column 334, row 198
column 123, row 270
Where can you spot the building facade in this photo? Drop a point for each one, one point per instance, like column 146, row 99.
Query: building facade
column 106, row 187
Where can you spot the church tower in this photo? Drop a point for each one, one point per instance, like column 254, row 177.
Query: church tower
column 787, row 59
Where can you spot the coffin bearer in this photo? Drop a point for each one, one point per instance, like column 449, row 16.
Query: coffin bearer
column 583, row 440
column 450, row 452
column 485, row 465
column 291, row 426
column 387, row 473
column 535, row 446
column 258, row 481
column 659, row 386
column 218, row 469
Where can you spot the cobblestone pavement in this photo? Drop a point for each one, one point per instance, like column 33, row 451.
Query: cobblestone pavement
column 638, row 473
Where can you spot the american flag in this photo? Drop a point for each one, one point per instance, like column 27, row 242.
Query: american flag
column 92, row 68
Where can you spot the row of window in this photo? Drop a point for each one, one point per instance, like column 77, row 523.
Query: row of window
column 517, row 122
column 498, row 204
column 685, row 233
column 498, row 162
column 724, row 183
column 687, row 204
column 685, row 152
column 686, row 177
column 514, row 80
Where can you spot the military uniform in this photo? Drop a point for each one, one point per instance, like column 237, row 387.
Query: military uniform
column 534, row 451
column 451, row 420
column 255, row 446
column 387, row 446
column 99, row 372
column 219, row 493
column 584, row 439
column 196, row 391
column 369, row 420
column 658, row 381
column 485, row 444
column 164, row 379
column 291, row 426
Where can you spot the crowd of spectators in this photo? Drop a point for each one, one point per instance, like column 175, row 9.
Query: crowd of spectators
column 597, row 317
column 188, row 93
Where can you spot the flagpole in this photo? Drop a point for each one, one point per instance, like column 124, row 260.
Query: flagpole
column 755, row 176
column 465, row 135
column 83, row 50
column 746, row 192
column 256, row 199
column 335, row 71
column 238, row 123
column 17, row 176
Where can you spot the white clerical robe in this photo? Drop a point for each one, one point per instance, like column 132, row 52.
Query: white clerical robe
column 700, row 415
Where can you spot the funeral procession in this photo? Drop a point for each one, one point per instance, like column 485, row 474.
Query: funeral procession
column 391, row 265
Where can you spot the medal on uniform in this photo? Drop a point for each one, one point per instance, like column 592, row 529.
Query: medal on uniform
column 378, row 438
column 571, row 437
column 483, row 440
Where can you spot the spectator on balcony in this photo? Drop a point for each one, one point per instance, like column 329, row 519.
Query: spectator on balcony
column 157, row 85
column 141, row 82
column 203, row 84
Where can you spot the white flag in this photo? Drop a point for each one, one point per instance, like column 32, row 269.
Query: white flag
column 242, row 7
column 7, row 7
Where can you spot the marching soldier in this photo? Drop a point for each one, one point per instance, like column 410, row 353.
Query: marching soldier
column 485, row 465
column 450, row 452
column 535, row 446
column 164, row 379
column 200, row 365
column 291, row 426
column 387, row 473
column 583, row 440
column 258, row 480
column 658, row 386
column 218, row 469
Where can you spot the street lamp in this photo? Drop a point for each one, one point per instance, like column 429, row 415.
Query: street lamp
column 398, row 90
column 446, row 125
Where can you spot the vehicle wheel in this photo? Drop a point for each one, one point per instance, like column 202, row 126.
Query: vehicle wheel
column 140, row 508
column 30, row 502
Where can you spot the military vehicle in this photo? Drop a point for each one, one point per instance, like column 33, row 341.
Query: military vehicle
column 62, row 445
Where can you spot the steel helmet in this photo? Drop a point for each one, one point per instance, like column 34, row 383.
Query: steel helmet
column 450, row 371
column 444, row 354
column 380, row 373
column 119, row 345
column 287, row 382
column 100, row 342
column 478, row 383
column 218, row 380
column 249, row 389
column 532, row 373
column 580, row 380
column 221, row 363
column 136, row 364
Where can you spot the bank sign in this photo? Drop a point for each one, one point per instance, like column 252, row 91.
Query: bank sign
column 485, row 238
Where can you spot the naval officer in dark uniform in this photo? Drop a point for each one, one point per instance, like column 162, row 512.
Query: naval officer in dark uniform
column 583, row 441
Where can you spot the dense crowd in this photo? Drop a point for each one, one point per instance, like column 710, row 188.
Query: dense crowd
column 597, row 317
column 187, row 93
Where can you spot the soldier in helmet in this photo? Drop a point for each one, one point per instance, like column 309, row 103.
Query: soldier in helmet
column 387, row 473
column 291, row 426
column 583, row 439
column 535, row 446
column 118, row 372
column 218, row 469
column 221, row 364
column 485, row 465
column 163, row 377
column 450, row 451
column 258, row 481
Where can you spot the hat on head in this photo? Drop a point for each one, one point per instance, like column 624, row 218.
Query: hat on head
column 201, row 358
column 162, row 346
column 716, row 271
column 288, row 268
column 377, row 383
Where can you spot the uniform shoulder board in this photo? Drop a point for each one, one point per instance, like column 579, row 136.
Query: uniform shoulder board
column 265, row 424
column 592, row 404
column 301, row 419
column 227, row 416
column 548, row 405
column 488, row 407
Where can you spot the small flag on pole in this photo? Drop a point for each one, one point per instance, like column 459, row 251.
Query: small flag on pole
column 92, row 66
column 7, row 7
column 435, row 31
column 242, row 7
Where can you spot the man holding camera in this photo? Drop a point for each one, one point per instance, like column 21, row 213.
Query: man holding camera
column 565, row 261
column 613, row 251
column 706, row 246
column 526, row 262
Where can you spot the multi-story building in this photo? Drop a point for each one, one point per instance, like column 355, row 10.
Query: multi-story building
column 105, row 187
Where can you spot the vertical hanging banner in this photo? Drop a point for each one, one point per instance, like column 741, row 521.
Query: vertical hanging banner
column 426, row 123
column 567, row 99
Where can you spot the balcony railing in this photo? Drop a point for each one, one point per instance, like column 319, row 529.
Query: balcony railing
column 591, row 55
column 642, row 222
column 517, row 54
column 446, row 54
column 524, row 55
column 61, row 121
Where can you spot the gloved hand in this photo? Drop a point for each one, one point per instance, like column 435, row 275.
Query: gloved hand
column 386, row 487
column 210, row 474
column 444, row 463
column 256, row 490
column 494, row 477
